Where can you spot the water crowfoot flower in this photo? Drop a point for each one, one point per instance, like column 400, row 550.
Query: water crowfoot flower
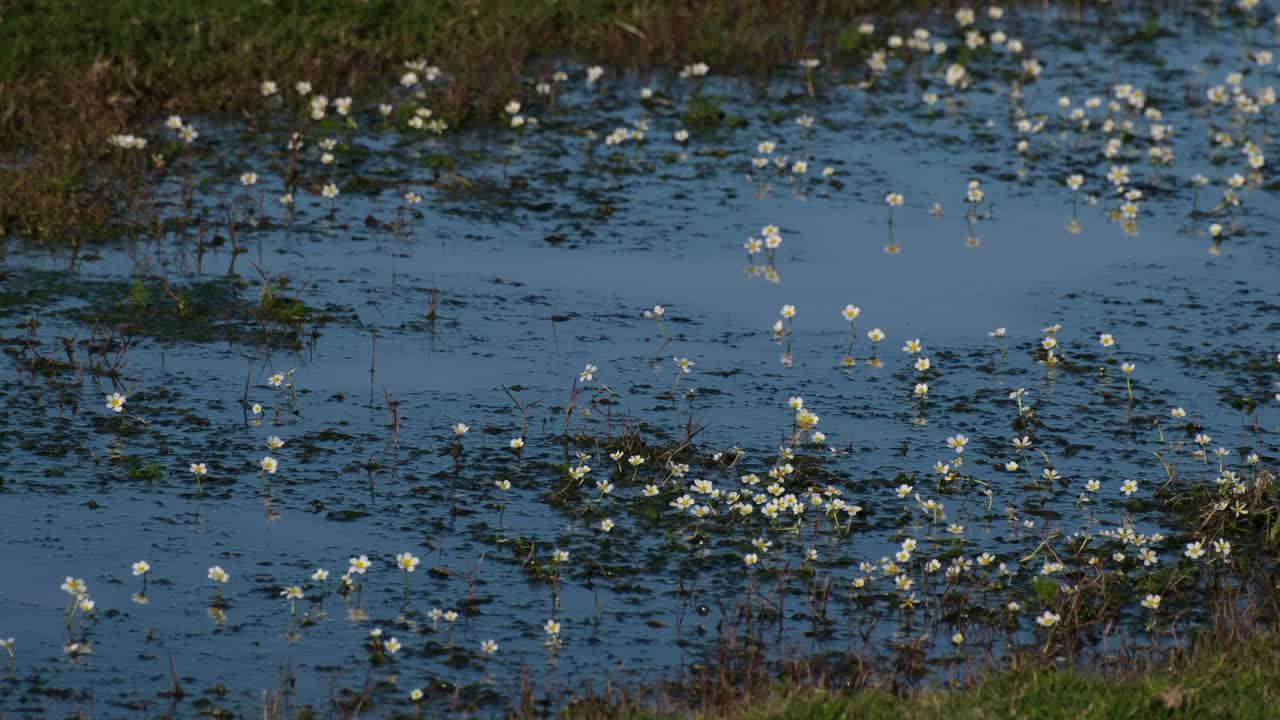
column 458, row 429
column 115, row 402
column 1195, row 550
column 140, row 569
column 408, row 563
column 893, row 200
column 552, row 629
column 86, row 605
column 1107, row 341
column 359, row 565
column 293, row 593
column 875, row 335
column 999, row 334
column 219, row 576
column 320, row 576
column 76, row 588
column 1074, row 182
column 330, row 191
column 1127, row 369
column 656, row 315
column 558, row 558
column 684, row 366
column 199, row 470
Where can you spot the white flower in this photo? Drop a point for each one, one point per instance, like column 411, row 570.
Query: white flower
column 407, row 562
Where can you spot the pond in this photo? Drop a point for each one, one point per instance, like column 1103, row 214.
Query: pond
column 720, row 467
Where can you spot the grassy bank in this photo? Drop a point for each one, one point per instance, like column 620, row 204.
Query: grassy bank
column 1243, row 682
column 72, row 73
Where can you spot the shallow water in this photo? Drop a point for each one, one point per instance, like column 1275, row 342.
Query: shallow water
column 546, row 256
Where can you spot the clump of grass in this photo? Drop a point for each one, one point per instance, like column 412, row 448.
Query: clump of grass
column 706, row 113
column 1238, row 681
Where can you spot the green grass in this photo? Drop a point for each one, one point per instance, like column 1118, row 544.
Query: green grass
column 1242, row 683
